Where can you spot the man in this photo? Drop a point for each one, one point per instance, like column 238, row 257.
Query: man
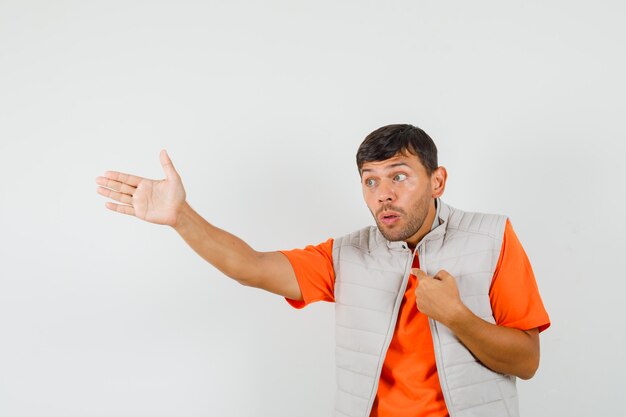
column 437, row 310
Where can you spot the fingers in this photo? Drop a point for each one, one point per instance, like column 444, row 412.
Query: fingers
column 128, row 179
column 419, row 273
column 168, row 166
column 120, row 208
column 116, row 185
column 442, row 275
column 123, row 198
column 119, row 187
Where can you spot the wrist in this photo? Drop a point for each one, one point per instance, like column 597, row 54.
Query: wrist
column 183, row 217
column 459, row 315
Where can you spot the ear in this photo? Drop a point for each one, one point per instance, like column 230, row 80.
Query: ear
column 438, row 181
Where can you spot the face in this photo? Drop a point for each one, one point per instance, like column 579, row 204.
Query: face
column 400, row 195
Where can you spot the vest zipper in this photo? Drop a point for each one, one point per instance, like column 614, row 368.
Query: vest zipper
column 436, row 344
column 394, row 320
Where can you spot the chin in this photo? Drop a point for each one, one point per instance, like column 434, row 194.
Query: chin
column 391, row 236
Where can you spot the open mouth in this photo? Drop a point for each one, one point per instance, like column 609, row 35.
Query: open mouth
column 389, row 218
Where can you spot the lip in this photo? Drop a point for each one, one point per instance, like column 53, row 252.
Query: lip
column 389, row 217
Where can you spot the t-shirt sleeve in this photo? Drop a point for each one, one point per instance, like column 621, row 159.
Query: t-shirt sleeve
column 514, row 295
column 314, row 270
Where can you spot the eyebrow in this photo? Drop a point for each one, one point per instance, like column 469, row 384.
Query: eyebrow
column 399, row 164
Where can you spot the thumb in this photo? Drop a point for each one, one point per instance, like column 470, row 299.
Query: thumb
column 168, row 166
column 419, row 274
column 442, row 275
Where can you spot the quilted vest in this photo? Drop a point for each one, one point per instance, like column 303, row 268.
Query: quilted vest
column 371, row 274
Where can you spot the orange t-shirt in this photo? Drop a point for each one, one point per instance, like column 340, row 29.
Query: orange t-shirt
column 409, row 384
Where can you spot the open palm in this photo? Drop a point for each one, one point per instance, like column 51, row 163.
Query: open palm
column 155, row 201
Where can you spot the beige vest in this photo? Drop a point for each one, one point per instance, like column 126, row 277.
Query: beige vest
column 371, row 275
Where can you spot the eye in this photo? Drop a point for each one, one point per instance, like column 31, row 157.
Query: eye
column 369, row 182
column 400, row 177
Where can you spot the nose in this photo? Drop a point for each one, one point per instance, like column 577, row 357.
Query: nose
column 386, row 192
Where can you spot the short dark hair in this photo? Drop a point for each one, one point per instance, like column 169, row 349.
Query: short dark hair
column 388, row 141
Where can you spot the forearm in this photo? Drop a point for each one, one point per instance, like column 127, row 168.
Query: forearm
column 226, row 252
column 501, row 349
column 270, row 271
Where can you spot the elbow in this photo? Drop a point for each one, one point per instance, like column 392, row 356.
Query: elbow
column 527, row 375
column 530, row 368
column 244, row 272
column 247, row 282
column 530, row 362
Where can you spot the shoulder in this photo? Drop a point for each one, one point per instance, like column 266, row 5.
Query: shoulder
column 366, row 239
column 461, row 221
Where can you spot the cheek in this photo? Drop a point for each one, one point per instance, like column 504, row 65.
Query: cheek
column 370, row 201
column 409, row 189
column 415, row 192
column 367, row 195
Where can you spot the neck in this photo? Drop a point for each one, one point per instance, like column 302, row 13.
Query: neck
column 414, row 240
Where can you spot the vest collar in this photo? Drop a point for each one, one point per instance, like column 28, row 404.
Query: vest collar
column 441, row 218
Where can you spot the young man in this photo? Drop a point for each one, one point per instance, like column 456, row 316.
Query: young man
column 437, row 310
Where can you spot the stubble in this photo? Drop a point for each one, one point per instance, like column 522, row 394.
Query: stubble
column 414, row 220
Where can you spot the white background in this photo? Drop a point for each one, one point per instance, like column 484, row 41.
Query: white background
column 262, row 106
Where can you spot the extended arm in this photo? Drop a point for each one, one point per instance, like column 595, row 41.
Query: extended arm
column 501, row 349
column 270, row 271
column 164, row 202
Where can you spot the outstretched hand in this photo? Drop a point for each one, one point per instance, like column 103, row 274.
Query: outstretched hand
column 155, row 201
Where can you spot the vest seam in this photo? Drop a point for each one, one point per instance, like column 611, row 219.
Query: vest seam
column 355, row 372
column 464, row 363
column 474, row 295
column 480, row 222
column 350, row 393
column 371, row 248
column 362, row 286
column 476, row 383
column 357, row 351
column 506, row 407
column 489, row 402
column 466, row 230
column 474, row 272
column 360, row 330
column 362, row 308
column 369, row 268
column 462, row 256
column 355, row 245
column 456, row 341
